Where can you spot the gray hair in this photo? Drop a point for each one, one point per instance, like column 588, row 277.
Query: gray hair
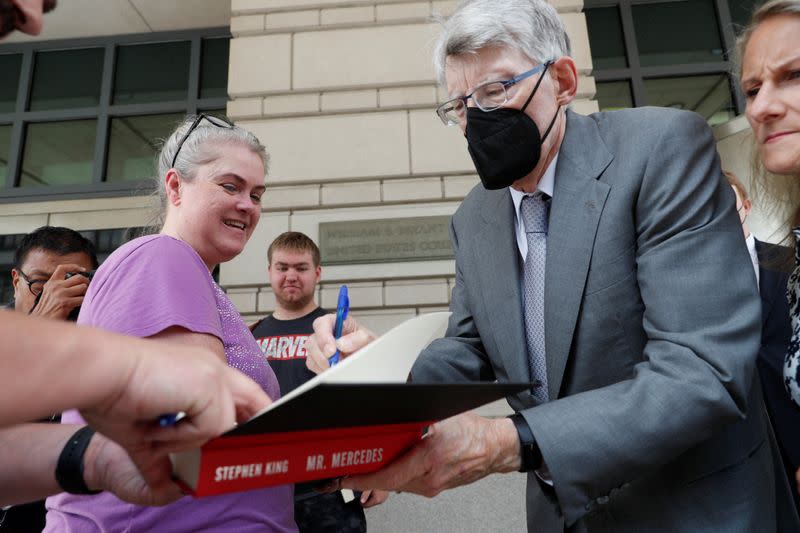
column 203, row 145
column 531, row 26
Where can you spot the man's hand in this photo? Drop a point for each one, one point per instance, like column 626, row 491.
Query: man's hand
column 59, row 295
column 168, row 378
column 322, row 345
column 455, row 452
column 108, row 467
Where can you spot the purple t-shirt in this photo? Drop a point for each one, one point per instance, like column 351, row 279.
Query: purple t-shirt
column 146, row 286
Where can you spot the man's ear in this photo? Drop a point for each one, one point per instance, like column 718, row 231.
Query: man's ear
column 173, row 187
column 15, row 279
column 565, row 74
column 319, row 273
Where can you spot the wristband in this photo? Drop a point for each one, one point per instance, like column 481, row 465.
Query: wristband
column 69, row 470
column 530, row 453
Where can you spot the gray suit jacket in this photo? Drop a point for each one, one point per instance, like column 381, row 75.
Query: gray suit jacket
column 652, row 325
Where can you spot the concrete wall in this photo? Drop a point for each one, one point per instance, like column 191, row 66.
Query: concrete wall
column 99, row 213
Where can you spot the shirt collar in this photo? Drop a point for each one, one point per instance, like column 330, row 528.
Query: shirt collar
column 546, row 185
column 751, row 244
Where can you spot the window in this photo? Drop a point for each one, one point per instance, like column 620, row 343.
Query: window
column 710, row 96
column 138, row 79
column 91, row 112
column 214, row 68
column 65, row 79
column 5, row 142
column 58, row 153
column 10, row 65
column 675, row 33
column 672, row 53
column 133, row 144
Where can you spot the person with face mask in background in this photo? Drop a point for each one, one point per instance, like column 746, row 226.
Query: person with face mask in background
column 601, row 257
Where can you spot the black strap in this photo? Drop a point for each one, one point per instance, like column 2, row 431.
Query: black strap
column 530, row 453
column 69, row 470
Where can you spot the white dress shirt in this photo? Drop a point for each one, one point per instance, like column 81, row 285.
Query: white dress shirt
column 545, row 185
column 751, row 247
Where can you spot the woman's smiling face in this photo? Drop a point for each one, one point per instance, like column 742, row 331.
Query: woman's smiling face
column 218, row 210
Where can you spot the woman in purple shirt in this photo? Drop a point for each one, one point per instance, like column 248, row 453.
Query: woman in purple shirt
column 160, row 286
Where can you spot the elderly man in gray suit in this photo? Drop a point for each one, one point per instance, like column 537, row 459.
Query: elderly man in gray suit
column 602, row 258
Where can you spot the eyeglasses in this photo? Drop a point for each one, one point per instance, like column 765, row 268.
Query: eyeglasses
column 216, row 121
column 36, row 286
column 488, row 97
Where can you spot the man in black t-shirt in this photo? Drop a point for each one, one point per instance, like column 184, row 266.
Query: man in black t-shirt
column 294, row 272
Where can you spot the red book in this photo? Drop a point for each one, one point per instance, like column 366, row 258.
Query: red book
column 354, row 418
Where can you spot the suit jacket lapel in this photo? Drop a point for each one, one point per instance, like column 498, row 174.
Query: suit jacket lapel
column 499, row 268
column 578, row 200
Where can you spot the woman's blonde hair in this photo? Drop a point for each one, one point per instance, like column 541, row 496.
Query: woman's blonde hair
column 778, row 194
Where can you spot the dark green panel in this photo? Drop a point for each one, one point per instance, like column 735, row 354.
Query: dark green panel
column 5, row 145
column 58, row 153
column 67, row 79
column 214, row 68
column 605, row 38
column 672, row 33
column 152, row 73
column 10, row 65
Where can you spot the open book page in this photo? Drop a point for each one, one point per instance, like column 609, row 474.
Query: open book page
column 387, row 359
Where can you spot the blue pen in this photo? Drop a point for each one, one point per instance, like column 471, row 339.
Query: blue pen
column 170, row 419
column 342, row 308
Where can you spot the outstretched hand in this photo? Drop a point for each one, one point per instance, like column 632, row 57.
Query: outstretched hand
column 454, row 452
column 169, row 378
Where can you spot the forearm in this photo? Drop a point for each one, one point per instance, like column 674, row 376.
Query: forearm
column 507, row 446
column 29, row 456
column 56, row 366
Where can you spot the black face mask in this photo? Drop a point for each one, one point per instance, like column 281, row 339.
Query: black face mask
column 505, row 144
